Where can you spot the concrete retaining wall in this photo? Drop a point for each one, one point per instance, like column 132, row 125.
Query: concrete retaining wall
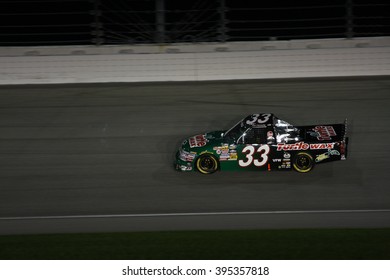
column 192, row 62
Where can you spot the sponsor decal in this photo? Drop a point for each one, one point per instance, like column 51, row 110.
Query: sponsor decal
column 321, row 146
column 294, row 147
column 186, row 156
column 327, row 155
column 226, row 152
column 277, row 160
column 270, row 134
column 197, row 141
column 322, row 157
column 224, row 157
column 259, row 126
column 224, row 149
column 285, row 165
column 325, row 132
column 233, row 156
column 304, row 146
column 334, row 152
column 184, row 167
column 286, row 155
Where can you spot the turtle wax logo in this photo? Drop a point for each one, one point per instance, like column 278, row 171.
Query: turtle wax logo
column 197, row 141
column 293, row 147
column 304, row 146
column 325, row 132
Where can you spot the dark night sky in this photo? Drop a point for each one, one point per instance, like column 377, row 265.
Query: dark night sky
column 55, row 22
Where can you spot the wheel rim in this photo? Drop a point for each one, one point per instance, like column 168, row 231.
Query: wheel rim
column 207, row 164
column 303, row 163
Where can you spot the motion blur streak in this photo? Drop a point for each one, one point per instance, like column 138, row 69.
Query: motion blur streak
column 107, row 149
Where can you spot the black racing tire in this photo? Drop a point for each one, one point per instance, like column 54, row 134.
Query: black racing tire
column 303, row 162
column 207, row 164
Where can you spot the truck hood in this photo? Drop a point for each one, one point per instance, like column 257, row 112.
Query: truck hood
column 201, row 141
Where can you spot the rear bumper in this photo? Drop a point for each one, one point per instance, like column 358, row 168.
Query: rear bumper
column 344, row 149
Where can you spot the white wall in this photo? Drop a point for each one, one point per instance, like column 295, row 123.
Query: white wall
column 192, row 62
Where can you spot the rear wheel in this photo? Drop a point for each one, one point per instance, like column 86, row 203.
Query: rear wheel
column 207, row 164
column 303, row 162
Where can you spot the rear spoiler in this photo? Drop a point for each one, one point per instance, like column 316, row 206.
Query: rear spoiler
column 344, row 143
column 345, row 129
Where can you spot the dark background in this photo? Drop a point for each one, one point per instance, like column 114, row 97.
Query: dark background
column 75, row 22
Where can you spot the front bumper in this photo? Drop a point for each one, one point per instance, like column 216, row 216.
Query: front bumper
column 181, row 165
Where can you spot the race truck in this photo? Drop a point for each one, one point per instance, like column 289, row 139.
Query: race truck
column 263, row 142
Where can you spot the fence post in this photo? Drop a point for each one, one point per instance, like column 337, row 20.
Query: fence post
column 222, row 25
column 349, row 19
column 97, row 26
column 160, row 21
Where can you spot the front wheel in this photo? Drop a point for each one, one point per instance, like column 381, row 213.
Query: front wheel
column 207, row 164
column 303, row 162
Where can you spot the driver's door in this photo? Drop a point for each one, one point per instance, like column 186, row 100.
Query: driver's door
column 253, row 150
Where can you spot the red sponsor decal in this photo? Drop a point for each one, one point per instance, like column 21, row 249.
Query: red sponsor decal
column 198, row 141
column 325, row 132
column 293, row 147
column 321, row 146
column 304, row 146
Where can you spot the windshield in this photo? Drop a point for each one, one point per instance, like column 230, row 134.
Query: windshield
column 236, row 131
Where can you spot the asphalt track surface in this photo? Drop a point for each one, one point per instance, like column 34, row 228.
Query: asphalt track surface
column 98, row 157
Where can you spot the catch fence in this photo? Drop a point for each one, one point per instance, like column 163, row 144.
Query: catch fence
column 107, row 22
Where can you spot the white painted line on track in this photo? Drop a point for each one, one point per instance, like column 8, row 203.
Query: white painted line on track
column 104, row 216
